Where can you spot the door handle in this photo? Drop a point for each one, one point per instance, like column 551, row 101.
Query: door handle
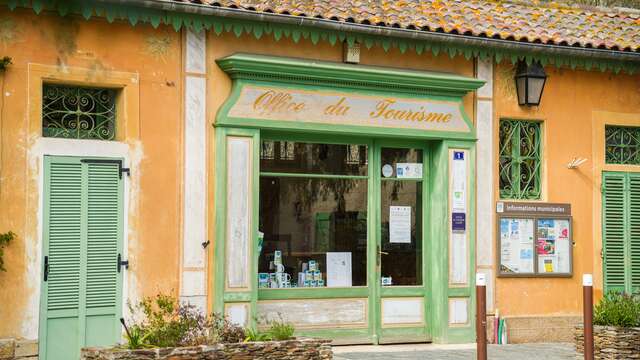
column 122, row 263
column 46, row 268
column 383, row 252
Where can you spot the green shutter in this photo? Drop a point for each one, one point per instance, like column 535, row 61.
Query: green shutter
column 634, row 230
column 64, row 234
column 102, row 234
column 614, row 214
column 83, row 235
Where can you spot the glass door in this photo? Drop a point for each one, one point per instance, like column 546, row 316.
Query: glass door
column 401, row 258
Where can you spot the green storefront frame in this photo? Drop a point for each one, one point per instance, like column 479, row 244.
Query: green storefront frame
column 250, row 70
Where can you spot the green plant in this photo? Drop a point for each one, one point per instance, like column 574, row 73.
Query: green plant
column 617, row 309
column 136, row 338
column 278, row 329
column 4, row 63
column 5, row 239
column 256, row 335
column 167, row 324
column 281, row 330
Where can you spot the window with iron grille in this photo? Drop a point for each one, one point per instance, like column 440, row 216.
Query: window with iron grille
column 622, row 145
column 74, row 112
column 520, row 159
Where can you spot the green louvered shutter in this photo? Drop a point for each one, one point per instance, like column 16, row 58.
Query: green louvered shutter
column 634, row 230
column 83, row 236
column 614, row 225
column 63, row 251
column 104, row 229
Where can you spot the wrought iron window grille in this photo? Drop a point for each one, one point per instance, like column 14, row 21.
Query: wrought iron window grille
column 78, row 112
column 622, row 145
column 520, row 160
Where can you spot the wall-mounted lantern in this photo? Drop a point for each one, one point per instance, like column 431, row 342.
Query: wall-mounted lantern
column 530, row 81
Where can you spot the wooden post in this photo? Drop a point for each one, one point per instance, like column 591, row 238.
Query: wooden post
column 587, row 296
column 481, row 316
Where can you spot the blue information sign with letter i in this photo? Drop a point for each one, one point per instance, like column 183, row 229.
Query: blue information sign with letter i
column 458, row 155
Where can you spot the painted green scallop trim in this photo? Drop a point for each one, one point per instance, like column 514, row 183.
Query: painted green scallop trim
column 220, row 25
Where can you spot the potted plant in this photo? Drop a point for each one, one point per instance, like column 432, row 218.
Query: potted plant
column 616, row 330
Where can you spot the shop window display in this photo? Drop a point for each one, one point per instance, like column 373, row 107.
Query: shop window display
column 313, row 215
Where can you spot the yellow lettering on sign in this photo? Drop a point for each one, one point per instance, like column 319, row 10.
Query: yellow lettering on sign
column 339, row 108
column 275, row 102
column 385, row 111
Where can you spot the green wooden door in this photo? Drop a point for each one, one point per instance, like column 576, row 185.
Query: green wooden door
column 82, row 280
column 621, row 231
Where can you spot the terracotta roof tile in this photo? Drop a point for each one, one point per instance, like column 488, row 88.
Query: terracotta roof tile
column 549, row 23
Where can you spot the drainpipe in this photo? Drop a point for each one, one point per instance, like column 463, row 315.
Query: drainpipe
column 380, row 31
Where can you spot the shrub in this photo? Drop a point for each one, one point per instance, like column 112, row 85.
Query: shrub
column 618, row 309
column 224, row 331
column 168, row 323
column 5, row 239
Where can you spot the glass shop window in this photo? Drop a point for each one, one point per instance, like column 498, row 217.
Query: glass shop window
column 622, row 145
column 313, row 215
column 74, row 112
column 520, row 164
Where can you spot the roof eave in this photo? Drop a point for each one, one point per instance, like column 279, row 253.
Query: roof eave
column 409, row 34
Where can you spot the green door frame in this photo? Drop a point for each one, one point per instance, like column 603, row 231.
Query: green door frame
column 399, row 333
column 82, row 311
column 250, row 70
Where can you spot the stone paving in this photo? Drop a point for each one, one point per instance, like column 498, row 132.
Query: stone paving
column 547, row 351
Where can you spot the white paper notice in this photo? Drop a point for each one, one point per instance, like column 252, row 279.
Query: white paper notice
column 516, row 253
column 338, row 269
column 408, row 171
column 459, row 184
column 400, row 224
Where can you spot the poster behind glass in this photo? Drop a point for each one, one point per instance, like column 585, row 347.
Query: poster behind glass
column 516, row 246
column 553, row 246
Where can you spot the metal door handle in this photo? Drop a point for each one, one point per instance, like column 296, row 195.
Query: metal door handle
column 383, row 252
column 46, row 268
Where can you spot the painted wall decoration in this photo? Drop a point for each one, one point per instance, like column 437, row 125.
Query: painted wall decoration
column 345, row 108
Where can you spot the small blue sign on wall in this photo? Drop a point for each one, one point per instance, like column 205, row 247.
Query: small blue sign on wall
column 458, row 221
column 458, row 155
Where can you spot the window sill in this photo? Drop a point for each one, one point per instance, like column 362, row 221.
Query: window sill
column 313, row 293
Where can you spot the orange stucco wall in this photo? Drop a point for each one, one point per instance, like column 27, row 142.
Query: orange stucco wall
column 570, row 109
column 570, row 100
column 155, row 55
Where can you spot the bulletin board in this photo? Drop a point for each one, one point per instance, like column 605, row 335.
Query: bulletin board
column 534, row 241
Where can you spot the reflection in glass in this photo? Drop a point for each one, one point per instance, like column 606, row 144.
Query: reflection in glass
column 304, row 218
column 307, row 158
column 401, row 250
column 394, row 156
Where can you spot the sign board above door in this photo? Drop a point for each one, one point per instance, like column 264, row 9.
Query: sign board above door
column 279, row 93
column 347, row 108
